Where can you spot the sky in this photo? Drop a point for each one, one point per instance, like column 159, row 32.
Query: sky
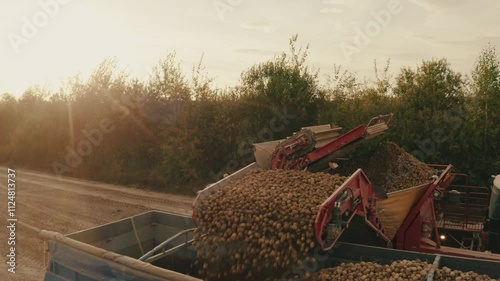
column 46, row 42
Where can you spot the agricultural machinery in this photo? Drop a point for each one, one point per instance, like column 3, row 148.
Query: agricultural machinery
column 440, row 220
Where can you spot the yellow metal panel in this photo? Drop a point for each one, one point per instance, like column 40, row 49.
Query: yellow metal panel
column 393, row 210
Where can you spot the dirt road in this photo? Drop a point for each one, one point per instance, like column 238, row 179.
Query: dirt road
column 67, row 205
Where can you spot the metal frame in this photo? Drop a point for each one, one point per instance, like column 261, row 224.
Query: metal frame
column 354, row 197
column 151, row 257
column 285, row 157
column 410, row 235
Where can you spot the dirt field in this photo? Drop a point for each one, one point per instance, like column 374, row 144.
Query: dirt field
column 67, row 205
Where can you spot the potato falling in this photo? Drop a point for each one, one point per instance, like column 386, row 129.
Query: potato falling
column 390, row 167
column 395, row 169
column 260, row 225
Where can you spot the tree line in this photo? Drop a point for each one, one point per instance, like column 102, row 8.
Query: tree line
column 177, row 132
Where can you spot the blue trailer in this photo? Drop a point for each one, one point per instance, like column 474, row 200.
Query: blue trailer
column 113, row 251
column 157, row 246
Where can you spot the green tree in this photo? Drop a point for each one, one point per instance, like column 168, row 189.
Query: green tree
column 430, row 112
column 285, row 82
column 486, row 114
column 39, row 134
column 10, row 119
column 349, row 102
column 8, row 115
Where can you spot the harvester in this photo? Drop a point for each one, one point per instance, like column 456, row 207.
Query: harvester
column 438, row 220
column 421, row 218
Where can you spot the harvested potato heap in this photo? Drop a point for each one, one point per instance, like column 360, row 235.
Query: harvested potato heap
column 398, row 271
column 403, row 270
column 447, row 274
column 392, row 168
column 260, row 225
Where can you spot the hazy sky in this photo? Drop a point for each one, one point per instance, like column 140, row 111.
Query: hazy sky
column 47, row 41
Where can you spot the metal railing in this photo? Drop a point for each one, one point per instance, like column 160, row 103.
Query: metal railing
column 151, row 257
column 463, row 208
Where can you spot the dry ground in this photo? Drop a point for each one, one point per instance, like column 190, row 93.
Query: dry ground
column 67, row 205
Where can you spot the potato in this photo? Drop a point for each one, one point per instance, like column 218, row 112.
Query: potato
column 267, row 217
column 397, row 271
column 390, row 167
column 446, row 273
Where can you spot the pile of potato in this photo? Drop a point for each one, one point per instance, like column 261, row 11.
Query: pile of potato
column 403, row 270
column 447, row 274
column 393, row 169
column 260, row 225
